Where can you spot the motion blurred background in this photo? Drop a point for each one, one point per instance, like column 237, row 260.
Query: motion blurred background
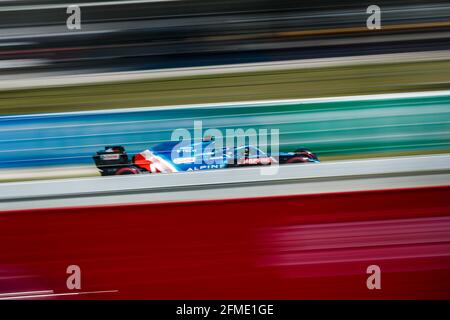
column 157, row 34
column 374, row 105
column 158, row 53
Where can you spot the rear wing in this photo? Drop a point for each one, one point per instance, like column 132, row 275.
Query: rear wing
column 112, row 158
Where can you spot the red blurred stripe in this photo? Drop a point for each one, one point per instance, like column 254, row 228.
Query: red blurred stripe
column 238, row 249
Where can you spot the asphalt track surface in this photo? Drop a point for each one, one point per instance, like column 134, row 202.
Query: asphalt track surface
column 250, row 182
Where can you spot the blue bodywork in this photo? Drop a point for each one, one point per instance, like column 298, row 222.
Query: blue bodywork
column 176, row 156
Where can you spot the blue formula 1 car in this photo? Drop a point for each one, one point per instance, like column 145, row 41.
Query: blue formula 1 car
column 173, row 156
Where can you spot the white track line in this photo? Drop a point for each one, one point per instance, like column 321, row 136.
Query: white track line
column 82, row 4
column 51, row 294
column 244, row 104
column 25, row 293
column 438, row 55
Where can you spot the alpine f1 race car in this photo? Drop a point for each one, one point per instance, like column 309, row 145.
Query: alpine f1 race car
column 171, row 157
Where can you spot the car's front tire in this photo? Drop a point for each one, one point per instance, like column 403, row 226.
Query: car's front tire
column 297, row 160
column 303, row 152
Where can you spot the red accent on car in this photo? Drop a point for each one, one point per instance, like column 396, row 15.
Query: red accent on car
column 142, row 162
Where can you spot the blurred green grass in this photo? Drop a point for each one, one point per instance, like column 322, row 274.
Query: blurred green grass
column 304, row 83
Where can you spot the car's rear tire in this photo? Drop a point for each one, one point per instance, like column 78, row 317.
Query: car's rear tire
column 128, row 170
